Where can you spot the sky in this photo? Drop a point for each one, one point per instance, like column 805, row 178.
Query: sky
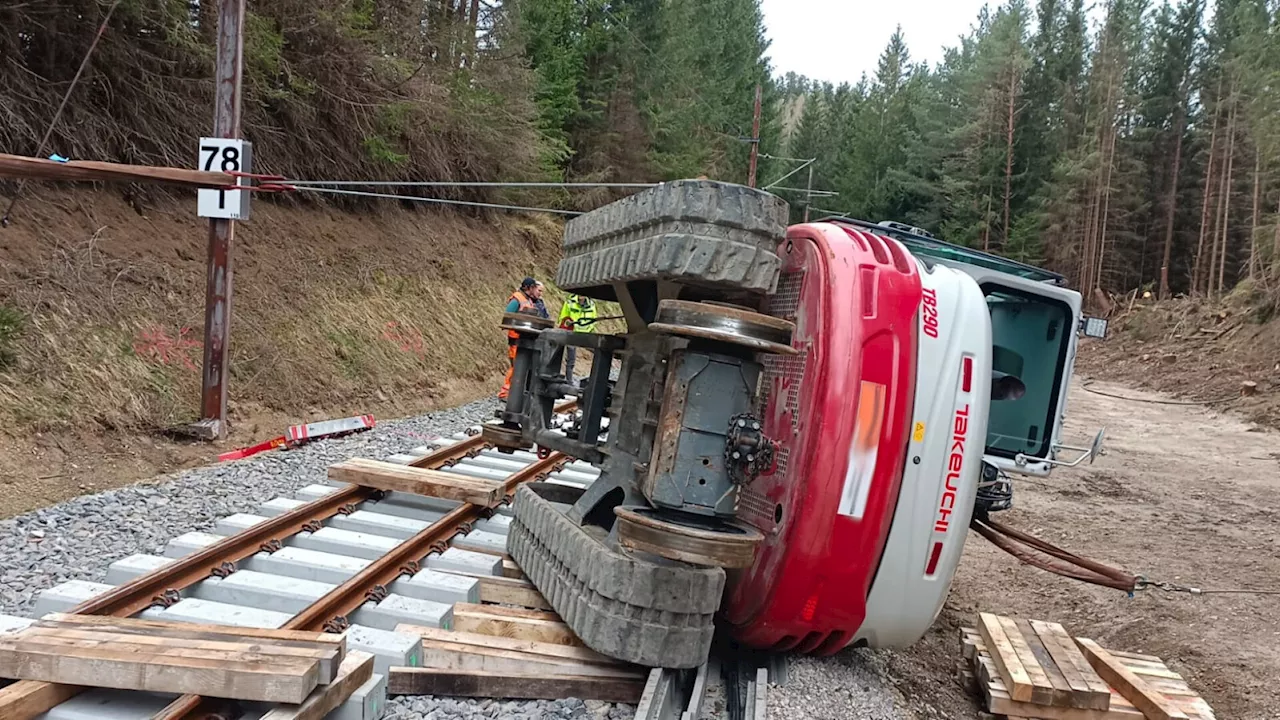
column 851, row 33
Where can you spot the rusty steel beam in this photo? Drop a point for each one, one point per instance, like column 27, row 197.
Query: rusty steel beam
column 228, row 72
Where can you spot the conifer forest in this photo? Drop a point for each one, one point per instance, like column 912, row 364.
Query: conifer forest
column 1129, row 144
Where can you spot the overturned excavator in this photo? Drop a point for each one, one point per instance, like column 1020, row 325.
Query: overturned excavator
column 794, row 442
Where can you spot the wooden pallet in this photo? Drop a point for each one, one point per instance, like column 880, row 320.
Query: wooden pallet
column 276, row 666
column 1040, row 663
column 1154, row 680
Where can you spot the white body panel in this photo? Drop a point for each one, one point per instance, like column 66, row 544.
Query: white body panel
column 1072, row 300
column 949, row 428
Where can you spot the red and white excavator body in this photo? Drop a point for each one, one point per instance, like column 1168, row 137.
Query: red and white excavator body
column 881, row 421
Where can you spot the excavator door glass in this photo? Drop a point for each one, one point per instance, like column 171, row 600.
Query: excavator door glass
column 1031, row 335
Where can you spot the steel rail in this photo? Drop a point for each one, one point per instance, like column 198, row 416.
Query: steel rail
column 328, row 614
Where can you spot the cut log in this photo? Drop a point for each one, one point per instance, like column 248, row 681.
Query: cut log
column 532, row 647
column 418, row 481
column 460, row 683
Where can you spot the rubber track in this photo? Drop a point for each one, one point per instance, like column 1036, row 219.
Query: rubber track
column 690, row 231
column 619, row 605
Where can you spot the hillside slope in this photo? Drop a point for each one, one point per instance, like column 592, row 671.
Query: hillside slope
column 386, row 311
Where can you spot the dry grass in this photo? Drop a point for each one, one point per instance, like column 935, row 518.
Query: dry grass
column 333, row 311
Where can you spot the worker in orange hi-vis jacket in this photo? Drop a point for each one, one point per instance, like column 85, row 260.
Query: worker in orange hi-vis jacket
column 527, row 300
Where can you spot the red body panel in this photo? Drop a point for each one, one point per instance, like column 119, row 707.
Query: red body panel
column 854, row 299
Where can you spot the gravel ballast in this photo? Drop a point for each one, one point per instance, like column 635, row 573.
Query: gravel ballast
column 848, row 685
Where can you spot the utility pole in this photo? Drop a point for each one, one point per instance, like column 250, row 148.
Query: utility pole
column 808, row 194
column 755, row 140
column 228, row 72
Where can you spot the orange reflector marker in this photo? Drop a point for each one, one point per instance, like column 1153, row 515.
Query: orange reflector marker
column 934, row 556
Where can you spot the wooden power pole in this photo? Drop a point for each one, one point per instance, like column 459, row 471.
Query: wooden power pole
column 228, row 73
column 755, row 140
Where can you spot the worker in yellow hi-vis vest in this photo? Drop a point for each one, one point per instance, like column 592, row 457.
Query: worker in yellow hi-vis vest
column 578, row 314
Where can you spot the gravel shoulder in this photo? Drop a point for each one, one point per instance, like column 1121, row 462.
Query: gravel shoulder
column 78, row 539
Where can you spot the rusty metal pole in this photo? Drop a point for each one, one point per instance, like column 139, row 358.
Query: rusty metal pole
column 228, row 72
column 755, row 140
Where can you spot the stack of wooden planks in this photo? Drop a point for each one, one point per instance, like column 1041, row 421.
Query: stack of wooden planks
column 311, row 672
column 1035, row 669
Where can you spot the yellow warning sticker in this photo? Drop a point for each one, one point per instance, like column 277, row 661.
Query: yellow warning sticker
column 918, row 434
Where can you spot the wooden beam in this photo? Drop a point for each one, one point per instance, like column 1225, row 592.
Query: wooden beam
column 327, row 655
column 1006, row 658
column 356, row 669
column 506, row 591
column 532, row 647
column 215, row 673
column 513, row 623
column 1088, row 690
column 1132, row 688
column 18, row 167
column 193, row 630
column 418, row 481
column 461, row 683
column 27, row 699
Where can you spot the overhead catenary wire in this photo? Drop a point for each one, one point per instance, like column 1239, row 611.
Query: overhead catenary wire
column 438, row 201
column 460, row 183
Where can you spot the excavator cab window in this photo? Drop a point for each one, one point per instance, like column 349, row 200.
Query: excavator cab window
column 1031, row 336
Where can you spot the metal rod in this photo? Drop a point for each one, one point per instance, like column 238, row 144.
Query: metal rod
column 228, row 73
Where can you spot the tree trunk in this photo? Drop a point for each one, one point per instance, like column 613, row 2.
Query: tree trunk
column 1106, row 207
column 1226, row 191
column 1253, row 226
column 1173, row 201
column 986, row 225
column 1198, row 266
column 1008, row 162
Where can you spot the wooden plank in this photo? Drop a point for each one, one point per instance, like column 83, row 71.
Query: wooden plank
column 238, row 676
column 1042, row 689
column 460, row 683
column 1006, row 659
column 1061, row 693
column 1066, row 646
column 507, row 591
column 356, row 669
column 1087, row 689
column 419, row 481
column 567, row 652
column 510, row 569
column 513, row 623
column 193, row 630
column 461, row 656
column 28, row 699
column 1152, row 704
column 1135, row 656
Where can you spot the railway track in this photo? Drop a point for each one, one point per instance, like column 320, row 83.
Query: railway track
column 337, row 557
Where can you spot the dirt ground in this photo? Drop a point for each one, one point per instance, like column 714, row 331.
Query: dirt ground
column 1184, row 495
